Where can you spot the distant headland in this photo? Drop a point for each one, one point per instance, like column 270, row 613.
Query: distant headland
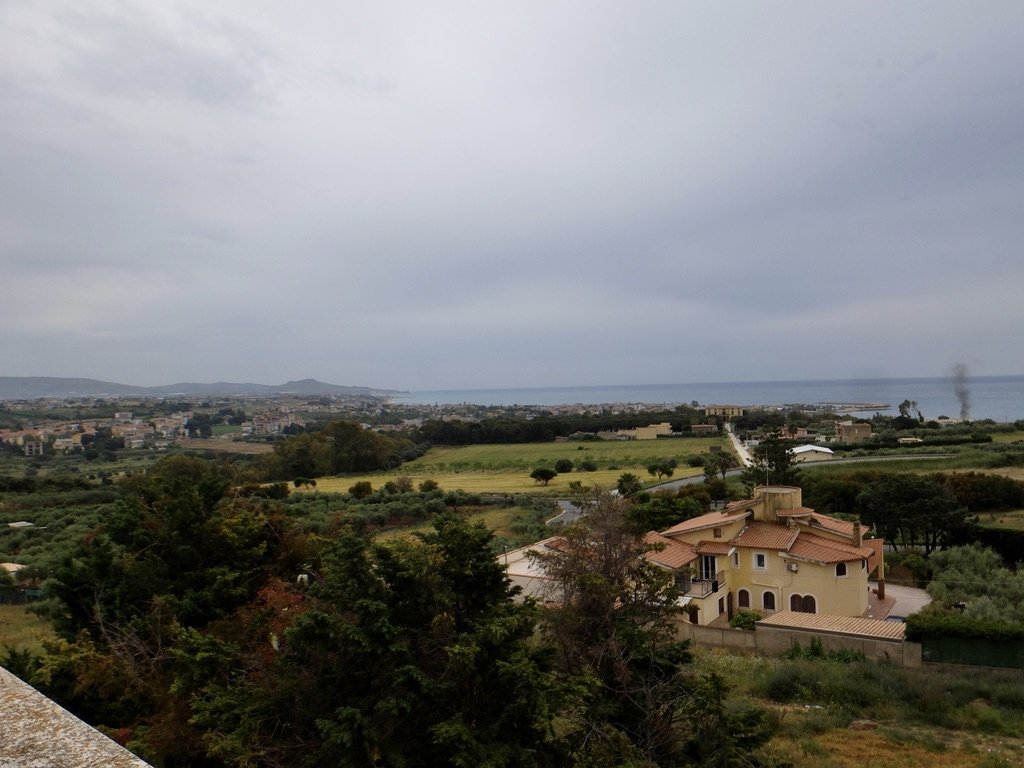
column 34, row 387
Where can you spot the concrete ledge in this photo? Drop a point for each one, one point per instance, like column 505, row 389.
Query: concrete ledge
column 35, row 732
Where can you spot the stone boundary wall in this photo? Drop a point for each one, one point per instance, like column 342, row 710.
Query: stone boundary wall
column 774, row 641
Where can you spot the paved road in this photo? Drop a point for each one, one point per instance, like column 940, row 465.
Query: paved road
column 745, row 458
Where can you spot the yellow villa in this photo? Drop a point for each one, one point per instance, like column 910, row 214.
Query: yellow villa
column 766, row 554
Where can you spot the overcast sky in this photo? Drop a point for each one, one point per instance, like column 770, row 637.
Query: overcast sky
column 459, row 195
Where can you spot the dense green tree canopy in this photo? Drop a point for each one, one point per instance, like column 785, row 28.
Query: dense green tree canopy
column 913, row 511
column 773, row 464
column 543, row 475
column 338, row 448
column 410, row 653
column 973, row 581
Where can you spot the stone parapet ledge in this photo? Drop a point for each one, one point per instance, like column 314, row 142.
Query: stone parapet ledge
column 36, row 732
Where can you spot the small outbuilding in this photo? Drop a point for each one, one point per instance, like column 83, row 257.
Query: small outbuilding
column 809, row 452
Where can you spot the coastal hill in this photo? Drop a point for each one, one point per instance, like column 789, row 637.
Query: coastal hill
column 31, row 387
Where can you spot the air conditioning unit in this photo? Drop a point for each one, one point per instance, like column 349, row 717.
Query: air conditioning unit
column 792, row 567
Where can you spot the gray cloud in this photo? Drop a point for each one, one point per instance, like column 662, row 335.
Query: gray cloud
column 509, row 194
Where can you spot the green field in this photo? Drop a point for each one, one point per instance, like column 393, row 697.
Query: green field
column 1016, row 436
column 499, row 520
column 1012, row 520
column 22, row 630
column 506, row 468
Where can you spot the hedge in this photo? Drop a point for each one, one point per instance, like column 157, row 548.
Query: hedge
column 932, row 624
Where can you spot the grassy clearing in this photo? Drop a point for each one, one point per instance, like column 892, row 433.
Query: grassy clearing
column 21, row 629
column 1008, row 437
column 506, row 468
column 1012, row 520
column 872, row 714
column 509, row 482
column 610, row 455
column 227, row 446
column 500, row 521
column 890, row 747
column 1014, row 473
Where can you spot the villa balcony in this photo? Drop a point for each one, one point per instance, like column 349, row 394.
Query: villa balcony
column 703, row 587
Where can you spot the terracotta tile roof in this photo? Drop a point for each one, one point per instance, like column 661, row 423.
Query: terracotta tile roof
column 766, row 536
column 821, row 550
column 714, row 548
column 839, row 625
column 710, row 520
column 669, row 552
column 795, row 512
column 832, row 524
column 739, row 506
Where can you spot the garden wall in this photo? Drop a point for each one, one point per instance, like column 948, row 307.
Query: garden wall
column 773, row 641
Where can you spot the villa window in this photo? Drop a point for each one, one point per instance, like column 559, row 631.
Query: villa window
column 840, row 569
column 735, row 559
column 707, row 567
column 803, row 604
column 768, row 601
column 744, row 598
column 718, row 533
column 760, row 561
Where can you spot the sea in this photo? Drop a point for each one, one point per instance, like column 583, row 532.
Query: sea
column 1000, row 398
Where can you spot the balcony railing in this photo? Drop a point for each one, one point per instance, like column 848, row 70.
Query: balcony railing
column 705, row 587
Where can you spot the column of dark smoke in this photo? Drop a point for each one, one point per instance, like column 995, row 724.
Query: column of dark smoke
column 962, row 393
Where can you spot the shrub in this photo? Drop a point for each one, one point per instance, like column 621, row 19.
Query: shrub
column 362, row 489
column 938, row 624
column 793, row 682
column 744, row 620
column 815, row 650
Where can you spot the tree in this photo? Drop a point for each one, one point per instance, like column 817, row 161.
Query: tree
column 661, row 469
column 361, row 490
column 338, row 448
column 908, row 409
column 563, row 466
column 543, row 475
column 974, row 581
column 716, row 464
column 662, row 510
column 912, row 511
column 611, row 622
column 773, row 464
column 410, row 653
column 179, row 552
column 629, row 484
column 720, row 736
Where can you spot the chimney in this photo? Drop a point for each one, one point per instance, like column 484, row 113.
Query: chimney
column 858, row 537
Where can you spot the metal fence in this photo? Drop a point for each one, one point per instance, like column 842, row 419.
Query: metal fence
column 987, row 653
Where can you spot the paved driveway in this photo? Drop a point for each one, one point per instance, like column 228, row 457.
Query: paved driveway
column 906, row 600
